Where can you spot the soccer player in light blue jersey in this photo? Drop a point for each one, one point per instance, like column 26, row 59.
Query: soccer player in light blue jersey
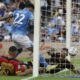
column 22, row 19
column 18, row 28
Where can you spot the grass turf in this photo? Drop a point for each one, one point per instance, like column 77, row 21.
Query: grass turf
column 45, row 77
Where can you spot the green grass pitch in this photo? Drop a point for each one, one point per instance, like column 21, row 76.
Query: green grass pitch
column 44, row 77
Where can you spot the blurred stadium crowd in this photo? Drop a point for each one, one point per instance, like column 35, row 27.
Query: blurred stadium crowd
column 53, row 18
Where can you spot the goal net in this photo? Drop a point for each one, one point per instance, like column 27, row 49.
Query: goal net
column 56, row 38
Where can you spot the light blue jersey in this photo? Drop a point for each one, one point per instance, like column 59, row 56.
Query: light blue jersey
column 21, row 21
column 8, row 27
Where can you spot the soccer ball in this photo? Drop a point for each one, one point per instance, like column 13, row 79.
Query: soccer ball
column 73, row 51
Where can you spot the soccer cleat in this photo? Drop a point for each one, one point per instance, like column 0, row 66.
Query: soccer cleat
column 50, row 67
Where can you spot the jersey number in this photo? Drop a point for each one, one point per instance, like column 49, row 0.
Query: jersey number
column 19, row 18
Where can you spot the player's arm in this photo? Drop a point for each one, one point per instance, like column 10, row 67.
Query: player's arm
column 31, row 22
column 6, row 17
column 26, row 72
column 31, row 19
column 71, row 67
column 45, row 46
column 29, row 71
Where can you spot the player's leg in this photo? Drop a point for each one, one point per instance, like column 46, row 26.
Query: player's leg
column 64, row 63
column 25, row 42
column 43, row 61
column 67, row 64
column 55, row 70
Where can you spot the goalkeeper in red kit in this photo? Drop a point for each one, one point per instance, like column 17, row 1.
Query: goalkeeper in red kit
column 9, row 65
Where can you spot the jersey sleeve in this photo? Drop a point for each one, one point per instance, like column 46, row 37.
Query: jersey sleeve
column 14, row 12
column 31, row 16
column 31, row 19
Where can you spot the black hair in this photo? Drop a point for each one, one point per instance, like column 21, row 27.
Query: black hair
column 65, row 49
column 21, row 5
column 29, row 4
column 12, row 48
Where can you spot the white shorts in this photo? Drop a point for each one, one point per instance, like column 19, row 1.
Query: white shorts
column 7, row 38
column 22, row 41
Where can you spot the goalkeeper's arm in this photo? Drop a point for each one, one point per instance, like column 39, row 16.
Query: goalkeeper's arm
column 26, row 72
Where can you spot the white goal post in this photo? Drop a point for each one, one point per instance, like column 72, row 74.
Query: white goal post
column 68, row 22
column 37, row 14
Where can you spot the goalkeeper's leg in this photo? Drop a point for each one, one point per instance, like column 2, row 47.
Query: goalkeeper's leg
column 64, row 64
column 43, row 62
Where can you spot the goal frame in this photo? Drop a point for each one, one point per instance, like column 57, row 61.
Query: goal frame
column 37, row 14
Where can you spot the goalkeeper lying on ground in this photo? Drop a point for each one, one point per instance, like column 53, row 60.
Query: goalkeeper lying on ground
column 59, row 58
column 11, row 66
